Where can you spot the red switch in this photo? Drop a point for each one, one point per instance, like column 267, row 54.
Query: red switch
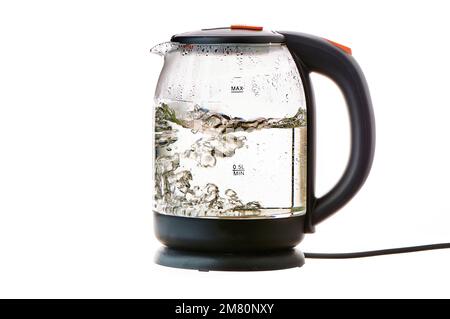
column 344, row 48
column 245, row 27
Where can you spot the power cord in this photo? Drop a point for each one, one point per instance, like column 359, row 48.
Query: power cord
column 372, row 253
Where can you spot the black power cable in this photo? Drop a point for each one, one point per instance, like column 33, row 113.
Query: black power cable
column 372, row 253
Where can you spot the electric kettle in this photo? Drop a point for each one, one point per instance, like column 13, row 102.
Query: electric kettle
column 234, row 140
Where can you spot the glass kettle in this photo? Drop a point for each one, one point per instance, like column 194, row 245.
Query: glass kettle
column 234, row 138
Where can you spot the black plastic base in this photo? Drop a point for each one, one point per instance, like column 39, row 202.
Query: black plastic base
column 206, row 261
column 229, row 235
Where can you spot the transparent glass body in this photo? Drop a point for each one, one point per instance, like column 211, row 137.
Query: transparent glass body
column 230, row 132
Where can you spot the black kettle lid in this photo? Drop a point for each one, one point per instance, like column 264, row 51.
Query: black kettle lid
column 232, row 34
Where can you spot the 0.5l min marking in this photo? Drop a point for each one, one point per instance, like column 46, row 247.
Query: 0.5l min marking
column 238, row 169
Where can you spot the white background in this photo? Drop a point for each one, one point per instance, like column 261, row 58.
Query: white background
column 76, row 90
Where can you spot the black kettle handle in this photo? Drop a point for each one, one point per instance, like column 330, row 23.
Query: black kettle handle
column 321, row 56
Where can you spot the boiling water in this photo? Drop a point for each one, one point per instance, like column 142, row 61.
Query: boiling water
column 211, row 165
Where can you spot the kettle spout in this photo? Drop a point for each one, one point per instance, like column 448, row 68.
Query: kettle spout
column 163, row 48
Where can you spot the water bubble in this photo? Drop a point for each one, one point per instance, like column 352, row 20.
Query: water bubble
column 253, row 205
column 207, row 160
column 230, row 193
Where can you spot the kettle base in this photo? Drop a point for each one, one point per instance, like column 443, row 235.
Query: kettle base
column 229, row 235
column 211, row 261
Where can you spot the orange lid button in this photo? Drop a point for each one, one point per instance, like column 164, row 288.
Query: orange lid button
column 344, row 48
column 245, row 27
